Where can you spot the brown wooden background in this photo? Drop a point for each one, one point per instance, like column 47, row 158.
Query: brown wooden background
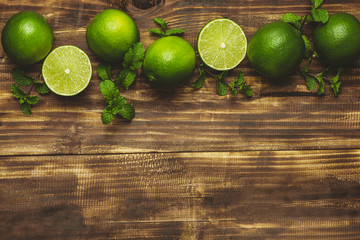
column 191, row 165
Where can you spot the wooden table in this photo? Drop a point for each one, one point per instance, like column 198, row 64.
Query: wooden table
column 283, row 164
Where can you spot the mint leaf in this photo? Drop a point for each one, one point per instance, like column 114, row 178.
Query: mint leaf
column 237, row 83
column 109, row 90
column 247, row 90
column 133, row 60
column 320, row 15
column 335, row 83
column 134, row 57
column 293, row 19
column 126, row 78
column 336, row 87
column 317, row 3
column 174, row 31
column 221, row 87
column 41, row 88
column 161, row 23
column 308, row 47
column 25, row 108
column 32, row 100
column 127, row 111
column 104, row 71
column 21, row 78
column 240, row 84
column 107, row 116
column 321, row 85
column 199, row 82
column 17, row 92
column 310, row 82
column 157, row 31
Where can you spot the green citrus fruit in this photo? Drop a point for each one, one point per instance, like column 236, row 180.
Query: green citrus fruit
column 67, row 70
column 276, row 50
column 337, row 42
column 27, row 37
column 222, row 44
column 110, row 34
column 169, row 61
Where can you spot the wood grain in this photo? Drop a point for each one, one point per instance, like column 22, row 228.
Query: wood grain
column 238, row 195
column 284, row 164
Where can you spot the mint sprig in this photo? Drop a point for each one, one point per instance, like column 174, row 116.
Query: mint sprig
column 237, row 86
column 26, row 100
column 330, row 75
column 163, row 31
column 116, row 104
column 132, row 62
column 240, row 85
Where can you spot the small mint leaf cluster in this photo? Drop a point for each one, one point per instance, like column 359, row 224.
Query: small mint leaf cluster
column 239, row 85
column 116, row 104
column 26, row 101
column 163, row 31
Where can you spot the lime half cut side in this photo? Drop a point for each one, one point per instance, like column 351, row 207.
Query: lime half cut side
column 222, row 44
column 67, row 70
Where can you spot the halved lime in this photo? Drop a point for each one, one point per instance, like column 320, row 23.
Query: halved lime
column 67, row 70
column 222, row 44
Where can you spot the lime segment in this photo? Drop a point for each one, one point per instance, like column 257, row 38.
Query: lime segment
column 67, row 70
column 222, row 44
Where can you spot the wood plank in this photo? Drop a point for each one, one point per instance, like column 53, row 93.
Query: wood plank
column 238, row 195
column 280, row 116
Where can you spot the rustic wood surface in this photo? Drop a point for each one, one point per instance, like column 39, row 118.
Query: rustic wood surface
column 284, row 164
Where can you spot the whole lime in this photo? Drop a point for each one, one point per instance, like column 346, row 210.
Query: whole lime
column 110, row 34
column 169, row 61
column 27, row 37
column 337, row 42
column 276, row 50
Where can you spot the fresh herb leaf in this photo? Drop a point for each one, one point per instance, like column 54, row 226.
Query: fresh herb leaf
column 157, row 31
column 25, row 108
column 127, row 111
column 109, row 90
column 335, row 83
column 320, row 15
column 107, row 116
column 134, row 57
column 161, row 23
column 17, row 92
column 104, row 71
column 41, row 88
column 221, row 86
column 132, row 62
column 174, row 31
column 126, row 78
column 240, row 84
column 321, row 88
column 310, row 82
column 25, row 99
column 308, row 47
column 32, row 100
column 199, row 82
column 116, row 104
column 247, row 90
column 21, row 78
column 293, row 19
column 317, row 3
